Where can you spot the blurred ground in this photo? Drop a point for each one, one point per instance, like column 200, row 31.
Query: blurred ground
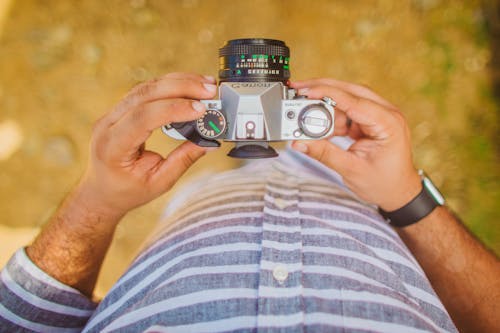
column 64, row 63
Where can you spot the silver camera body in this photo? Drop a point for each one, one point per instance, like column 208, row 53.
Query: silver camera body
column 252, row 114
column 255, row 104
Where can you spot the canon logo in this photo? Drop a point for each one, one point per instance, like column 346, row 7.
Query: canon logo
column 251, row 85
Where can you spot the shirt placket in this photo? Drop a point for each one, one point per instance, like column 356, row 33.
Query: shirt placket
column 280, row 301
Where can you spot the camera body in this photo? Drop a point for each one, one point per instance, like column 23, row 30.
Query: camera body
column 255, row 105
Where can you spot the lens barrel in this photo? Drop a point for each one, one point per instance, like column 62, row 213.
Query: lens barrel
column 254, row 60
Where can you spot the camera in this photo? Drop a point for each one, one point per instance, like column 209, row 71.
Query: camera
column 255, row 105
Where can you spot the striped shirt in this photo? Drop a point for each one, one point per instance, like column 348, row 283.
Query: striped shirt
column 276, row 246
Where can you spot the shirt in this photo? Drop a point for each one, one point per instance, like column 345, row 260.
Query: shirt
column 276, row 246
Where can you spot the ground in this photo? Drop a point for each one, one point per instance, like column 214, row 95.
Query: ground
column 65, row 63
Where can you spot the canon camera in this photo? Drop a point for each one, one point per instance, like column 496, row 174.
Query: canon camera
column 255, row 105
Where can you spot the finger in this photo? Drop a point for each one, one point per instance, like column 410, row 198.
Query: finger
column 352, row 88
column 167, row 87
column 327, row 153
column 194, row 87
column 136, row 126
column 355, row 132
column 191, row 76
column 176, row 164
column 341, row 125
column 344, row 126
column 374, row 119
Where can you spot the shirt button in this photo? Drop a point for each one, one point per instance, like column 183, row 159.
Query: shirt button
column 280, row 273
column 280, row 203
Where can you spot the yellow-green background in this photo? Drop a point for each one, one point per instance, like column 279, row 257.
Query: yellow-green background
column 64, row 63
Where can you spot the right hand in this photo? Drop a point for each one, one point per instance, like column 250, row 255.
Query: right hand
column 378, row 167
column 121, row 173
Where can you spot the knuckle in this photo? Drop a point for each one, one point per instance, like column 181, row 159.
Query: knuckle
column 144, row 90
column 138, row 114
column 179, row 108
column 188, row 159
column 126, row 103
column 323, row 153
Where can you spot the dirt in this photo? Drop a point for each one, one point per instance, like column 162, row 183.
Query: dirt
column 65, row 63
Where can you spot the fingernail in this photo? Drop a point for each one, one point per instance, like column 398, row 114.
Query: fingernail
column 303, row 91
column 300, row 147
column 210, row 87
column 198, row 106
column 209, row 149
column 209, row 78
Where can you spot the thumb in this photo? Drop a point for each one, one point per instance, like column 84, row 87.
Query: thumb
column 327, row 153
column 176, row 163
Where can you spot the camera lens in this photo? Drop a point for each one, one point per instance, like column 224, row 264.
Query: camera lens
column 254, row 60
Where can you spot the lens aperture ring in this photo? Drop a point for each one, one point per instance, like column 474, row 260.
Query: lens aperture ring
column 256, row 60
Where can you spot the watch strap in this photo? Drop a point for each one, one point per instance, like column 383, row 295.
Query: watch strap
column 418, row 208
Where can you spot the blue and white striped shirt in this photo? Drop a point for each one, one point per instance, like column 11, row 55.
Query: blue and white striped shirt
column 271, row 247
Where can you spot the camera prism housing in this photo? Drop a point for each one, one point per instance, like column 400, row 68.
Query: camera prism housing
column 255, row 105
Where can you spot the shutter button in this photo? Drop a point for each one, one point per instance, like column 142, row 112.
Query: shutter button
column 280, row 273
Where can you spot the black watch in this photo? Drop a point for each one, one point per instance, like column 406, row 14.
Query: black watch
column 418, row 208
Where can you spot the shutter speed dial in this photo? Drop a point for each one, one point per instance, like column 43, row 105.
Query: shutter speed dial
column 212, row 125
column 315, row 120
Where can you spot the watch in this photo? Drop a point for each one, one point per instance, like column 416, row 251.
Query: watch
column 419, row 207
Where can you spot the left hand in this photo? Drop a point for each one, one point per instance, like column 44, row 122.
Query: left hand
column 378, row 166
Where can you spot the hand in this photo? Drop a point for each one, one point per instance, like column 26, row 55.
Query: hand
column 378, row 167
column 121, row 173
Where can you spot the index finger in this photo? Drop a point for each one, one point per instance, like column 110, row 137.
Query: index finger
column 133, row 129
column 374, row 119
column 352, row 88
column 175, row 85
column 172, row 87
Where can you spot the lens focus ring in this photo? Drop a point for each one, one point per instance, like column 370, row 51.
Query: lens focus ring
column 254, row 60
column 254, row 46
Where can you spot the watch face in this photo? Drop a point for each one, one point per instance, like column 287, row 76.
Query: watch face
column 433, row 191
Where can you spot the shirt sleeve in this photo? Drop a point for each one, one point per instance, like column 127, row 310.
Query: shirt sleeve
column 33, row 301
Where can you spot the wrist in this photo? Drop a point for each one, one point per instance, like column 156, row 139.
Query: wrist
column 408, row 190
column 418, row 207
column 72, row 245
column 86, row 206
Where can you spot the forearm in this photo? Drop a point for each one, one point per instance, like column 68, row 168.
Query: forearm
column 463, row 273
column 120, row 176
column 378, row 167
column 72, row 246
